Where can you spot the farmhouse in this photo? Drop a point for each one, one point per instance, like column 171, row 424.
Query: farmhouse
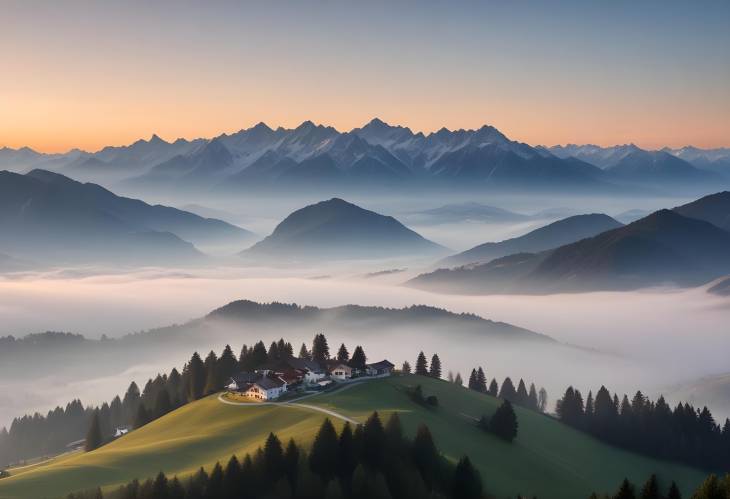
column 257, row 386
column 341, row 371
column 382, row 368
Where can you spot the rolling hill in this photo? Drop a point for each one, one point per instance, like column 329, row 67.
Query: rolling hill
column 663, row 248
column 556, row 234
column 50, row 218
column 548, row 459
column 338, row 230
column 714, row 208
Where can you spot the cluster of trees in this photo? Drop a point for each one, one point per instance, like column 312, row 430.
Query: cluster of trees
column 682, row 434
column 423, row 368
column 531, row 399
column 503, row 422
column 373, row 461
column 320, row 353
column 425, row 400
column 650, row 490
column 38, row 435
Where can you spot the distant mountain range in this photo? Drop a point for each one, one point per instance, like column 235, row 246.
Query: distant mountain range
column 556, row 234
column 662, row 248
column 338, row 230
column 315, row 156
column 50, row 218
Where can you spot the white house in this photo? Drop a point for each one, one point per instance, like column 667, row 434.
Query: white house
column 341, row 372
column 266, row 388
column 257, row 386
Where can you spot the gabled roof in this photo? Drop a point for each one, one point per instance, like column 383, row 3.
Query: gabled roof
column 267, row 383
column 244, row 377
column 383, row 364
column 304, row 364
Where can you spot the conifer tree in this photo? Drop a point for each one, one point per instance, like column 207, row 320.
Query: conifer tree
column 508, row 392
column 320, row 349
column 291, row 461
column 673, row 492
column 346, row 458
column 159, row 486
column 625, row 491
column 532, row 397
column 521, row 397
column 304, row 353
column 162, row 404
column 273, row 354
column 493, row 388
column 231, row 478
column 227, row 364
column 214, row 489
column 94, row 438
column 467, row 483
column 342, row 354
column 450, row 377
column 504, row 422
column 650, row 490
column 195, row 378
column 373, row 441
column 213, row 383
column 421, row 365
column 435, row 369
column 406, row 369
column 473, row 380
column 323, row 454
column 273, row 458
column 481, row 380
column 425, row 455
column 457, row 380
column 259, row 356
column 359, row 359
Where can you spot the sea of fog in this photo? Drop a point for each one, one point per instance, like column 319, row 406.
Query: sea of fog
column 650, row 339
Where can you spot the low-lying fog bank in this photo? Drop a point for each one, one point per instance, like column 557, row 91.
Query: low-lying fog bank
column 648, row 340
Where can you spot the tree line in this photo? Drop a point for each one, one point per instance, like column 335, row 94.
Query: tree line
column 371, row 461
column 37, row 435
column 713, row 487
column 685, row 433
column 530, row 399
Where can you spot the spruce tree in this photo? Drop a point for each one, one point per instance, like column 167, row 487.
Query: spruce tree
column 425, row 455
column 94, row 438
column 227, row 364
column 467, row 482
column 450, row 377
column 231, row 478
column 273, row 458
column 493, row 388
column 457, row 380
column 342, row 354
column 625, row 491
column 213, row 383
column 320, row 349
column 214, row 489
column 421, row 365
column 346, row 457
column 273, row 354
column 373, row 441
column 159, row 486
column 291, row 461
column 473, row 380
column 323, row 454
column 196, row 378
column 650, row 490
column 359, row 359
column 304, row 353
column 162, row 404
column 542, row 400
column 504, row 422
column 259, row 356
column 481, row 380
column 508, row 392
column 406, row 369
column 674, row 492
column 521, row 397
column 532, row 397
column 435, row 369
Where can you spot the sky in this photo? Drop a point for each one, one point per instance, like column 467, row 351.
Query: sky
column 89, row 74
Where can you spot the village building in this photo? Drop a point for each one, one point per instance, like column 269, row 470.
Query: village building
column 258, row 386
column 382, row 368
column 341, row 371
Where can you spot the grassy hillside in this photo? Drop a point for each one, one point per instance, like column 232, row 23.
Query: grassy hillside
column 547, row 459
